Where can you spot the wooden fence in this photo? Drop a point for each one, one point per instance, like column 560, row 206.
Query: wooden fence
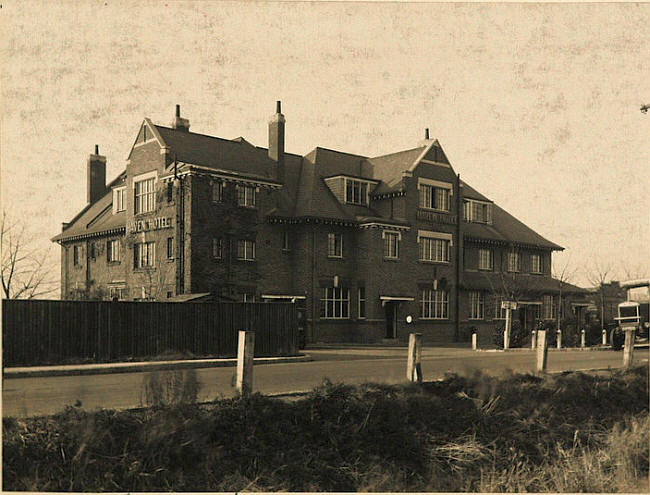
column 53, row 332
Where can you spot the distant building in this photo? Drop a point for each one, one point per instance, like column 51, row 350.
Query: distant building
column 358, row 242
column 607, row 298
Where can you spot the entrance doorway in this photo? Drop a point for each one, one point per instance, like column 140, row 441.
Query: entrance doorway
column 391, row 320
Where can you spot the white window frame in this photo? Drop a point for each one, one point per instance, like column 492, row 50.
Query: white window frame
column 216, row 191
column 514, row 262
column 332, row 245
column 335, row 303
column 486, row 254
column 170, row 240
column 471, row 211
column 286, row 245
column 476, row 305
column 217, row 248
column 434, row 304
column 117, row 290
column 119, row 199
column 428, row 198
column 361, row 188
column 246, row 250
column 499, row 312
column 113, row 255
column 432, row 244
column 249, row 196
column 548, row 307
column 144, row 202
column 392, row 239
column 361, row 298
column 536, row 263
column 144, row 255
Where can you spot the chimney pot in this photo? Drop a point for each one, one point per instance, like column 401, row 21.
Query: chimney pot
column 278, row 107
column 178, row 110
column 426, row 133
column 97, row 149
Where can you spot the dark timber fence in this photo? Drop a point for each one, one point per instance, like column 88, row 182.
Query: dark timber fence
column 53, row 332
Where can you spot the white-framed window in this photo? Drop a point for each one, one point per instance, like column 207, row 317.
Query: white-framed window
column 434, row 249
column 434, row 304
column 144, row 255
column 217, row 249
column 477, row 211
column 217, row 192
column 113, row 250
column 535, row 263
column 391, row 245
column 362, row 302
column 247, row 298
column 246, row 196
column 118, row 292
column 499, row 312
column 335, row 303
column 170, row 248
column 246, row 250
column 434, row 195
column 514, row 262
column 76, row 254
column 286, row 246
column 548, row 307
column 334, row 245
column 485, row 259
column 356, row 192
column 476, row 305
column 119, row 199
column 144, row 194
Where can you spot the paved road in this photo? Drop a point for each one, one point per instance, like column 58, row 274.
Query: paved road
column 36, row 396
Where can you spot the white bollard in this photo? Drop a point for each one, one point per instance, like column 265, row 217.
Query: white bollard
column 559, row 338
column 413, row 362
column 506, row 332
column 245, row 356
column 604, row 337
column 628, row 350
column 582, row 337
column 474, row 343
column 533, row 340
column 541, row 351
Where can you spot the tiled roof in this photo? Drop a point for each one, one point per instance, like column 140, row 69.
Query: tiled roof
column 527, row 283
column 470, row 193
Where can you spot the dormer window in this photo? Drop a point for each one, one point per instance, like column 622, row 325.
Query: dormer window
column 356, row 192
column 434, row 195
column 119, row 199
column 477, row 211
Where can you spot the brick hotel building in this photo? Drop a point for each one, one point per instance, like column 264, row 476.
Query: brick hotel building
column 358, row 242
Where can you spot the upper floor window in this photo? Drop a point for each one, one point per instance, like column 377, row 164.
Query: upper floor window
column 335, row 303
column 144, row 254
column 144, row 195
column 514, row 262
column 119, row 199
column 434, row 195
column 434, row 304
column 217, row 248
column 477, row 211
column 217, row 192
column 391, row 245
column 246, row 250
column 246, row 196
column 170, row 191
column 334, row 245
column 76, row 251
column 356, row 192
column 170, row 248
column 476, row 305
column 535, row 263
column 485, row 259
column 434, row 246
column 113, row 250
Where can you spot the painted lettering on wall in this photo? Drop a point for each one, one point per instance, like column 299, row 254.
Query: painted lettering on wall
column 150, row 224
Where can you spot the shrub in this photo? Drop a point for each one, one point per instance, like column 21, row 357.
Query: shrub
column 518, row 336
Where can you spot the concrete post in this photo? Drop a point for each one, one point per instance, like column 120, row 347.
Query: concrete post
column 245, row 355
column 474, row 342
column 533, row 340
column 542, row 351
column 628, row 350
column 582, row 337
column 413, row 363
column 604, row 337
column 506, row 332
column 559, row 338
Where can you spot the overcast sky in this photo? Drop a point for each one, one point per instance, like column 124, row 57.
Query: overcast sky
column 536, row 106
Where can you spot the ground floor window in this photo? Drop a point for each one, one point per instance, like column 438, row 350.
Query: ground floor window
column 248, row 298
column 362, row 302
column 118, row 293
column 335, row 303
column 476, row 305
column 113, row 250
column 434, row 304
column 548, row 308
column 144, row 254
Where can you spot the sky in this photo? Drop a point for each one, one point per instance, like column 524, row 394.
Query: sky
column 536, row 105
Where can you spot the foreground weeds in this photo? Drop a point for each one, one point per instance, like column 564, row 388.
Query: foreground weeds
column 569, row 433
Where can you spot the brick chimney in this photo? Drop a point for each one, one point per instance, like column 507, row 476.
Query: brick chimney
column 96, row 176
column 180, row 123
column 276, row 140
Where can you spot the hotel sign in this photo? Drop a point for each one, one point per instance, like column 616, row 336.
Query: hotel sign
column 157, row 223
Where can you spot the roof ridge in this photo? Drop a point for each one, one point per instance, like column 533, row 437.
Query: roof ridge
column 202, row 135
column 395, row 153
column 341, row 152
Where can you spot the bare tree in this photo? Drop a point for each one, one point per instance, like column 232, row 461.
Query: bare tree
column 598, row 273
column 564, row 274
column 25, row 273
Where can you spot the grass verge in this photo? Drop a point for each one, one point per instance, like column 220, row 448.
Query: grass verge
column 567, row 433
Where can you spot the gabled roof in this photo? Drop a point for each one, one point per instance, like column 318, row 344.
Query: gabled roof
column 389, row 169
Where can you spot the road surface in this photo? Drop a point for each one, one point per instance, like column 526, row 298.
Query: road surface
column 46, row 395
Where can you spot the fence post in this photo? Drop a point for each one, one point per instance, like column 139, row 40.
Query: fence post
column 506, row 331
column 604, row 337
column 533, row 341
column 542, row 351
column 245, row 355
column 628, row 350
column 474, row 343
column 582, row 337
column 559, row 338
column 413, row 363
